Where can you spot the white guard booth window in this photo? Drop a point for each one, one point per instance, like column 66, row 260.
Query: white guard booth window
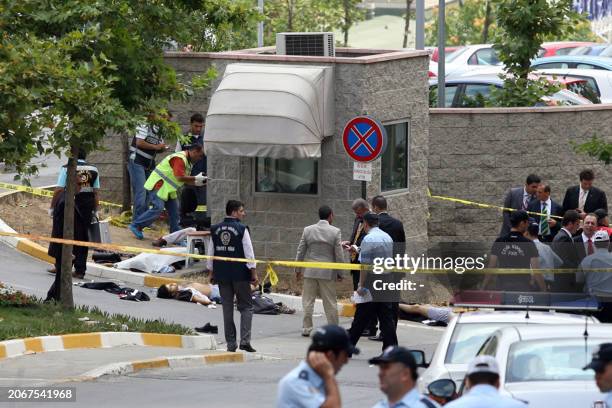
column 394, row 161
column 278, row 114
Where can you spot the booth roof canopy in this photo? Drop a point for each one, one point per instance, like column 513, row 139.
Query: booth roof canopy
column 268, row 111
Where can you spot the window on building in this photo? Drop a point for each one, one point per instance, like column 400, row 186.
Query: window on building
column 289, row 176
column 394, row 165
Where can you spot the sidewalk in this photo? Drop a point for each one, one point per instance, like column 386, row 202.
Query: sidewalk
column 52, row 367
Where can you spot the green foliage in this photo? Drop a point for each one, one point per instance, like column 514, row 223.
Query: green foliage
column 465, row 25
column 48, row 319
column 522, row 27
column 597, row 148
column 308, row 15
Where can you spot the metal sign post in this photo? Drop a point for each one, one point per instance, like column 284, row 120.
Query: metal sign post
column 441, row 53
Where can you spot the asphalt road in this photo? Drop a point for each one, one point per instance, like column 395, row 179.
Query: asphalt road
column 228, row 385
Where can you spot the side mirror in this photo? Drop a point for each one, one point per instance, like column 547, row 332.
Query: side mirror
column 419, row 357
column 444, row 388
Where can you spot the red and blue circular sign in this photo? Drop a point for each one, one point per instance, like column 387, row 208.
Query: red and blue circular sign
column 364, row 138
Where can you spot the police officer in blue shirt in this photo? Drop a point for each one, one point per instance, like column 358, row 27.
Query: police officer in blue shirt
column 482, row 381
column 313, row 383
column 602, row 365
column 397, row 375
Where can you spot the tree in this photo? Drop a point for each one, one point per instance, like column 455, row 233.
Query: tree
column 596, row 147
column 73, row 69
column 352, row 14
column 522, row 27
column 407, row 23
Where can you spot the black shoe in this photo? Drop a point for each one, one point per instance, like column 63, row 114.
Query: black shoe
column 247, row 347
column 231, row 349
column 78, row 275
column 368, row 333
column 207, row 328
column 376, row 338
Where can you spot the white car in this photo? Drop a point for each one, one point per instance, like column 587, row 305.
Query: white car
column 466, row 332
column 599, row 80
column 471, row 58
column 543, row 365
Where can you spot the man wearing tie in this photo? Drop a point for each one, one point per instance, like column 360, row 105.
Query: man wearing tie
column 585, row 245
column 519, row 199
column 544, row 205
column 585, row 198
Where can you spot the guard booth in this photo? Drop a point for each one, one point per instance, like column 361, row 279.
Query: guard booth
column 273, row 137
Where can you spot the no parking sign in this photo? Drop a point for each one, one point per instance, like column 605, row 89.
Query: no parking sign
column 364, row 139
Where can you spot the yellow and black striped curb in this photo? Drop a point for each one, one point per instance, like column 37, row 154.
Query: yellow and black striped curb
column 130, row 367
column 33, row 345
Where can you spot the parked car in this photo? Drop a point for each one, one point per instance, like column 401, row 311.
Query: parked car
column 543, row 365
column 550, row 49
column 593, row 50
column 573, row 61
column 470, row 58
column 466, row 333
column 600, row 81
column 473, row 91
column 447, row 50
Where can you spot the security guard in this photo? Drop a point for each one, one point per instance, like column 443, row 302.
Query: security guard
column 313, row 383
column 397, row 375
column 192, row 196
column 144, row 147
column 85, row 204
column 231, row 239
column 602, row 365
column 165, row 180
column 482, row 382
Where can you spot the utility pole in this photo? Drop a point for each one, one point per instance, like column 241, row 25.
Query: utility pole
column 441, row 53
column 420, row 25
column 260, row 25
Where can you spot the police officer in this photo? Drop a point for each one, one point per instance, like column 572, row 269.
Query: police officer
column 85, row 204
column 192, row 196
column 397, row 373
column 164, row 182
column 482, row 383
column 141, row 161
column 313, row 382
column 231, row 238
column 602, row 365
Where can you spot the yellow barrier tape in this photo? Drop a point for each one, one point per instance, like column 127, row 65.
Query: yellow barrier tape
column 291, row 264
column 44, row 193
column 270, row 273
column 483, row 205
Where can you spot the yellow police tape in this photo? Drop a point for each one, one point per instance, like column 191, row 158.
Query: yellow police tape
column 44, row 193
column 482, row 205
column 291, row 264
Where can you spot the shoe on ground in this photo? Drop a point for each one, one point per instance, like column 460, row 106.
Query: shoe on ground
column 376, row 338
column 78, row 275
column 247, row 347
column 207, row 328
column 306, row 333
column 368, row 333
column 137, row 233
column 159, row 243
column 231, row 349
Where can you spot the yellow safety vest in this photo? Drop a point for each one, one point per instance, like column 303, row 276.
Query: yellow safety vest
column 164, row 172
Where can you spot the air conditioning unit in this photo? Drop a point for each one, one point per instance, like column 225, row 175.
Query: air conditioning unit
column 313, row 44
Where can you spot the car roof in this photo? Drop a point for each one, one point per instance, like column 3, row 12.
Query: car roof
column 576, row 71
column 559, row 44
column 476, row 79
column 518, row 316
column 586, row 59
column 560, row 331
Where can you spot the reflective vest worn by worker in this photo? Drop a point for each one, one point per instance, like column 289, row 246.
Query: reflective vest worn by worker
column 164, row 172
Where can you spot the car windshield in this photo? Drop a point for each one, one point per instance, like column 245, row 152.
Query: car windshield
column 453, row 55
column 467, row 339
column 550, row 360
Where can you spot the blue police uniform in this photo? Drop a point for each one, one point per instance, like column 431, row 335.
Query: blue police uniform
column 485, row 396
column 302, row 387
column 412, row 399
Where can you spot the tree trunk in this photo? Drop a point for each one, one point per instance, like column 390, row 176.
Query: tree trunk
column 290, row 15
column 126, row 192
column 65, row 288
column 487, row 22
column 407, row 23
column 347, row 21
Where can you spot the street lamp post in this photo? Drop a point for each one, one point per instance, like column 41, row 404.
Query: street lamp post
column 441, row 54
column 260, row 25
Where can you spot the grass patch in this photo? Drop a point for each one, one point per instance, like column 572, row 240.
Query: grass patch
column 32, row 318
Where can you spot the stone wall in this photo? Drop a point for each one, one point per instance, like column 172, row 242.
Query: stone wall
column 478, row 154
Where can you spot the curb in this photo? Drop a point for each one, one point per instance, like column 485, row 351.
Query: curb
column 33, row 345
column 130, row 367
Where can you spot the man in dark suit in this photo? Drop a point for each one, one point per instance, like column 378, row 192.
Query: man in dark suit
column 585, row 198
column 585, row 245
column 544, row 205
column 395, row 229
column 564, row 246
column 519, row 199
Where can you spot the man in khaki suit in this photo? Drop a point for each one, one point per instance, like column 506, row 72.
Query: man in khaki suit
column 320, row 242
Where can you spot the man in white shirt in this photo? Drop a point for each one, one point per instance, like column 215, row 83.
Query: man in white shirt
column 547, row 257
column 597, row 282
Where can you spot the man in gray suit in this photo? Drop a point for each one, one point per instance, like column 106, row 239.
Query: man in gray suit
column 519, row 199
column 320, row 242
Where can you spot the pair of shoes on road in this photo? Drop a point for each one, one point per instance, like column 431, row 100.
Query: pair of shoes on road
column 376, row 338
column 159, row 243
column 207, row 328
column 137, row 233
column 245, row 347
